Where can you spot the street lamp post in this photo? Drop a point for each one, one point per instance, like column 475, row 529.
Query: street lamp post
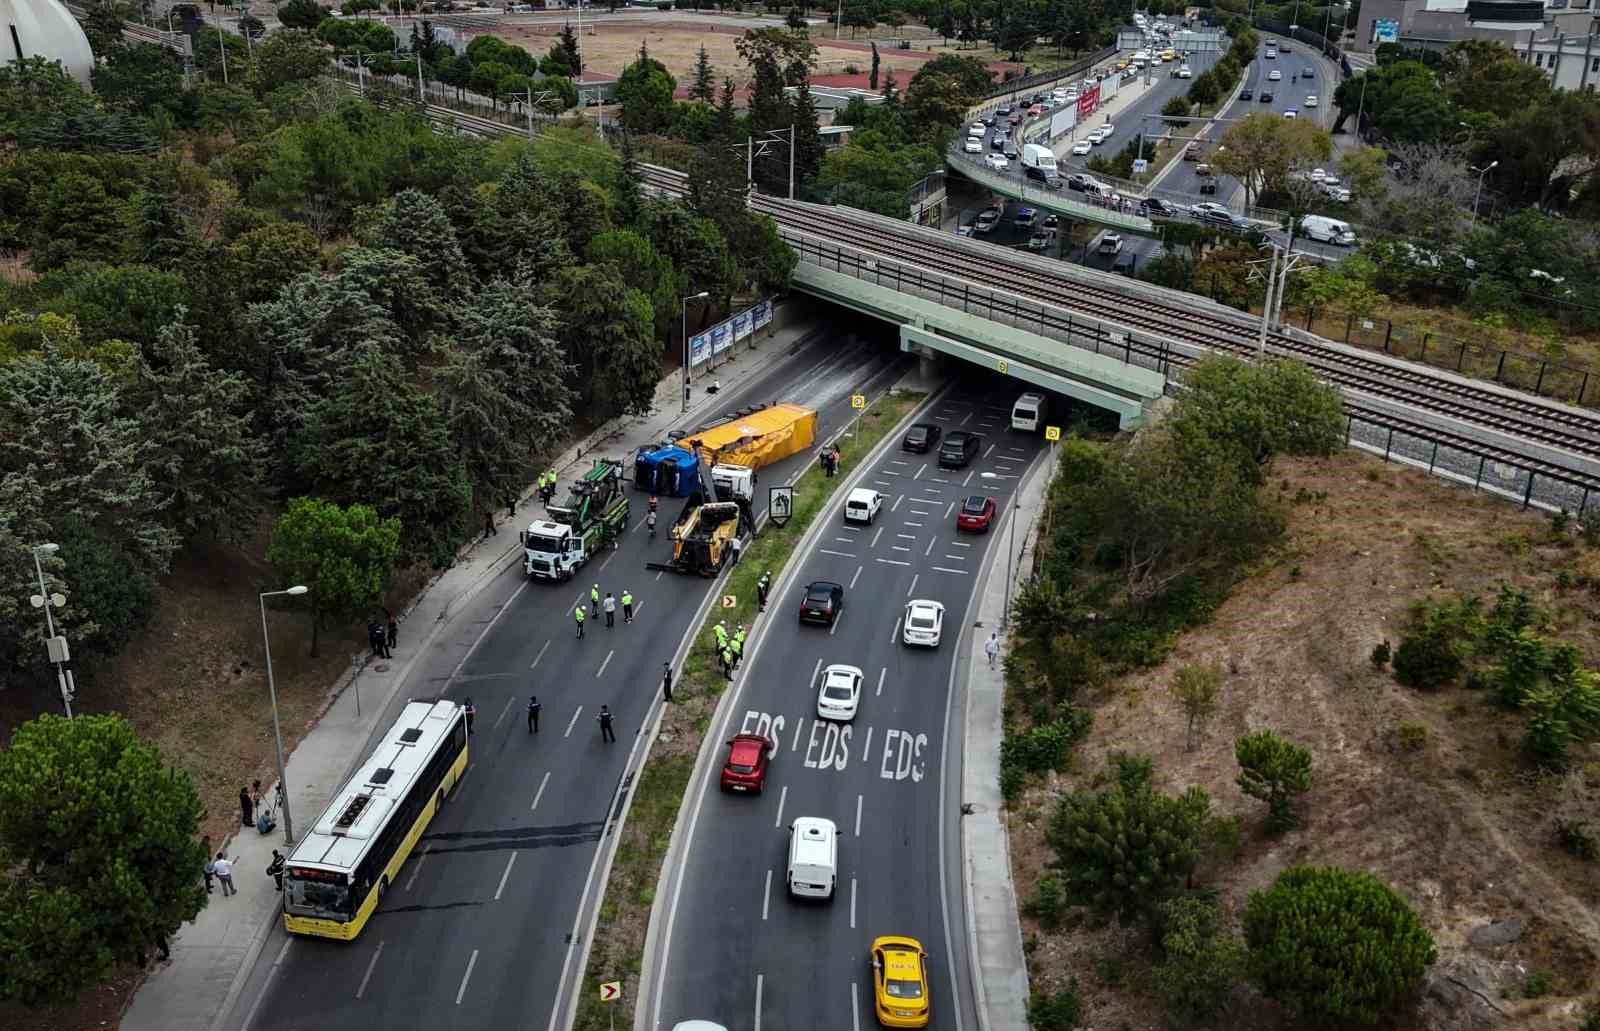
column 684, row 305
column 1011, row 550
column 1485, row 170
column 56, row 646
column 277, row 731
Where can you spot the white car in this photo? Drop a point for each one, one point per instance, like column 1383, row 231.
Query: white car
column 1107, row 127
column 924, row 623
column 1311, row 101
column 1184, row 72
column 977, row 129
column 1082, row 147
column 1097, row 137
column 862, row 506
column 974, row 145
column 839, row 692
column 996, row 161
column 1272, row 76
column 1291, row 113
column 1318, row 175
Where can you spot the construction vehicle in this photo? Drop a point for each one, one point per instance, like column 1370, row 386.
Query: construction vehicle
column 594, row 517
column 703, row 534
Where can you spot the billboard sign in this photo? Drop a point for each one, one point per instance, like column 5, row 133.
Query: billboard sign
column 1062, row 121
column 762, row 313
column 721, row 337
column 1088, row 101
column 1385, row 30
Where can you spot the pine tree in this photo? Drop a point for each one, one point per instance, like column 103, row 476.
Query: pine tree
column 807, row 138
column 630, row 201
column 891, row 90
column 415, row 223
column 704, row 86
column 872, row 77
column 727, row 123
column 569, row 47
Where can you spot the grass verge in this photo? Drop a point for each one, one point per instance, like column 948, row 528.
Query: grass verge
column 618, row 949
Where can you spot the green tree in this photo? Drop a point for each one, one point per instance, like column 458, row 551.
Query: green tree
column 727, row 122
column 571, row 51
column 99, row 833
column 1262, row 409
column 1177, row 108
column 1197, row 689
column 301, row 14
column 1263, row 151
column 632, row 258
column 1126, row 848
column 75, row 219
column 345, row 555
column 704, row 86
column 205, row 451
column 872, row 76
column 940, row 93
column 104, row 21
column 608, row 331
column 1335, row 945
column 108, row 586
column 694, row 246
column 286, row 57
column 1204, row 90
column 120, row 302
column 415, row 223
column 1201, row 962
column 138, row 78
column 209, row 47
column 1276, row 772
column 262, row 261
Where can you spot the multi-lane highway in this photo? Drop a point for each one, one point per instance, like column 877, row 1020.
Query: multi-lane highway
column 732, row 947
column 1131, row 120
column 475, row 933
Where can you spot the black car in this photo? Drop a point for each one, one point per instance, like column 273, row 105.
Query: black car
column 1266, row 96
column 1049, row 176
column 1011, row 150
column 1156, row 206
column 988, row 120
column 1247, row 94
column 823, row 602
column 1079, row 181
column 1223, row 219
column 997, row 143
column 959, row 448
column 922, row 437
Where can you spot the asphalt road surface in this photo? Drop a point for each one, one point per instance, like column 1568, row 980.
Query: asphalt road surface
column 737, row 950
column 1131, row 120
column 474, row 933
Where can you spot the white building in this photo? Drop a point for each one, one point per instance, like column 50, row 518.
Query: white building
column 1504, row 21
column 44, row 28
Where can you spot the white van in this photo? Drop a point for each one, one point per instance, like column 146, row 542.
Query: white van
column 1040, row 157
column 1028, row 413
column 862, row 505
column 1328, row 230
column 813, row 857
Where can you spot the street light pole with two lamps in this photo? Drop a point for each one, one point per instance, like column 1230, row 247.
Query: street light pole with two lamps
column 277, row 731
column 684, row 305
column 54, row 644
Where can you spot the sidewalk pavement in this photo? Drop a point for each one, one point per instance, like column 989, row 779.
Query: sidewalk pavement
column 212, row 956
column 999, row 967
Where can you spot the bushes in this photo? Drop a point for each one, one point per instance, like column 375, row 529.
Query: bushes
column 1432, row 650
column 1055, row 1011
column 1046, row 746
column 1335, row 945
column 1573, row 836
column 1202, row 960
column 1274, row 771
column 1047, row 901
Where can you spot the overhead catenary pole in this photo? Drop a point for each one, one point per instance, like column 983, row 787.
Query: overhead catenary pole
column 1266, row 304
column 222, row 45
column 791, row 162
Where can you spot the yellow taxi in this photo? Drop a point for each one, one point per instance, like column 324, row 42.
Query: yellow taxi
column 899, row 982
column 1168, row 55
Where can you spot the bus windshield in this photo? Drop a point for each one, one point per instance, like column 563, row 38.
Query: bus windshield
column 317, row 898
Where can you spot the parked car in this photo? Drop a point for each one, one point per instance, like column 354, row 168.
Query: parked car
column 745, row 769
column 921, row 438
column 823, row 602
column 959, row 449
column 974, row 145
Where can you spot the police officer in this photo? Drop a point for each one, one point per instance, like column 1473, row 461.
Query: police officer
column 594, row 599
column 739, row 636
column 577, row 614
column 534, row 708
column 666, row 680
column 606, row 734
column 762, row 586
column 720, row 632
column 727, row 661
column 736, row 646
column 627, row 606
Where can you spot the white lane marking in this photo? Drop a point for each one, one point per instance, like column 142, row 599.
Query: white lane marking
column 913, row 586
column 906, row 536
column 540, row 793
column 891, row 562
column 601, row 671
column 782, row 797
column 963, row 422
column 795, row 744
column 987, row 452
column 542, row 650
column 858, row 816
column 921, row 511
column 875, row 537
column 919, row 472
column 881, row 674
column 371, row 966
column 766, row 894
column 970, row 475
column 947, row 511
column 462, row 991
column 855, row 1008
column 417, row 868
column 249, row 1018
column 885, row 483
column 910, row 523
column 841, row 554
column 661, row 574
column 1018, row 450
column 888, row 472
column 816, row 669
column 897, row 547
column 894, row 635
column 931, row 490
column 853, row 579
column 505, row 876
column 897, row 461
column 835, row 624
column 602, row 569
column 867, row 749
column 959, row 544
column 845, row 540
column 897, row 502
column 956, row 558
column 942, row 569
column 496, row 723
column 759, row 979
column 573, row 723
column 936, row 479
column 930, row 546
column 852, row 903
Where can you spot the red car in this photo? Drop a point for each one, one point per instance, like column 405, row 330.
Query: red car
column 977, row 512
column 746, row 768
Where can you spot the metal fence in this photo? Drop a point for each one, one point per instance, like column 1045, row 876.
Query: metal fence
column 1027, row 82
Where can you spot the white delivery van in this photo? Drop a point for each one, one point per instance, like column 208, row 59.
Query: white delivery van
column 1040, row 157
column 1328, row 230
column 813, row 857
column 862, row 505
column 1028, row 413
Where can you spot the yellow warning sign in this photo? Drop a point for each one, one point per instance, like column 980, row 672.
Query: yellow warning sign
column 1052, row 433
column 729, row 601
column 610, row 991
column 858, row 400
column 1003, row 365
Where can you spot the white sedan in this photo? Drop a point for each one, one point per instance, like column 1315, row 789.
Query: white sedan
column 974, row 145
column 1311, row 101
column 924, row 623
column 1082, row 147
column 996, row 161
column 839, row 692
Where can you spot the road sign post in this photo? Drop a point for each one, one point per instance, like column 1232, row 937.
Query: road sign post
column 859, row 403
column 611, row 991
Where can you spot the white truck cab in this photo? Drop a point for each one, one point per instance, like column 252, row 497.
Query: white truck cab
column 733, row 482
column 551, row 551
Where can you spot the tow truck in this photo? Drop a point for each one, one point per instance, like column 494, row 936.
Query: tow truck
column 594, row 517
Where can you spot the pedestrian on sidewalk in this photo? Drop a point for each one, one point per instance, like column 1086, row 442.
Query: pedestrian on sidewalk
column 247, row 809
column 736, row 546
column 488, row 524
column 275, row 868
column 223, row 867
column 991, row 647
column 627, row 606
column 666, row 680
column 606, row 733
column 763, row 585
column 836, row 459
column 378, row 639
column 511, row 506
column 534, row 708
column 210, row 869
column 393, row 629
column 610, row 606
column 472, row 713
column 577, row 614
column 594, row 599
